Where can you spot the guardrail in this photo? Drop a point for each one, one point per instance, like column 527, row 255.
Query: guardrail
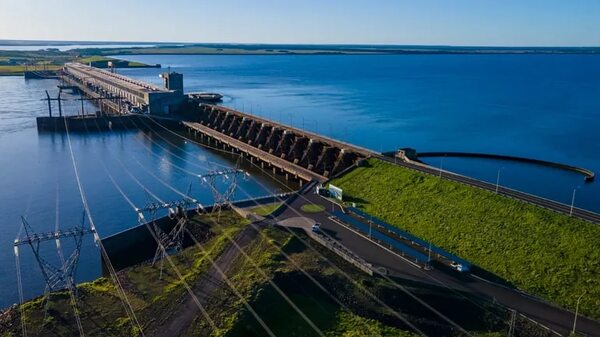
column 344, row 253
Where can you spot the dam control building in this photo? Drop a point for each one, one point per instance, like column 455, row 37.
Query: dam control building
column 148, row 97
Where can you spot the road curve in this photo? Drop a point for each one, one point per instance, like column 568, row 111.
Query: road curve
column 545, row 313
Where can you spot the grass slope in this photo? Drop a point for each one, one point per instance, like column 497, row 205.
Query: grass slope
column 154, row 300
column 538, row 250
column 102, row 62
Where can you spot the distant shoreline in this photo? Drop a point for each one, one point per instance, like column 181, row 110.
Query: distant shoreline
column 15, row 62
column 175, row 48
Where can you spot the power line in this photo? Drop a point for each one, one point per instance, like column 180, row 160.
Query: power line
column 410, row 294
column 123, row 296
column 389, row 279
column 220, row 199
column 354, row 282
column 277, row 289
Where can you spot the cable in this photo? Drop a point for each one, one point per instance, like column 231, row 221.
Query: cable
column 385, row 276
column 239, row 248
column 126, row 304
column 62, row 261
column 277, row 289
column 356, row 283
column 412, row 295
column 219, row 270
column 20, row 288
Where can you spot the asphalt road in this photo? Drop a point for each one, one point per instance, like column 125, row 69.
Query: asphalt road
column 532, row 199
column 545, row 313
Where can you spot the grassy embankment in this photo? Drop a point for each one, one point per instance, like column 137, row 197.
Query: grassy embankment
column 235, row 50
column 102, row 62
column 102, row 312
column 264, row 210
column 14, row 63
column 540, row 251
column 312, row 208
column 154, row 299
column 365, row 318
column 288, row 49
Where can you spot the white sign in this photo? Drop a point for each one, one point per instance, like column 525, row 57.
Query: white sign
column 335, row 191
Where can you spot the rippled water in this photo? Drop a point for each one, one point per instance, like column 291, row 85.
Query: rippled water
column 37, row 172
column 541, row 106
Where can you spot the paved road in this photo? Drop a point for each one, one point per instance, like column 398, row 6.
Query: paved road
column 547, row 314
column 532, row 199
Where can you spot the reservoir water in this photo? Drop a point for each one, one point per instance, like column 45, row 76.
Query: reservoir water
column 541, row 106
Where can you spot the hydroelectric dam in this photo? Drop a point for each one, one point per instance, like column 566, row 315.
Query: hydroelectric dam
column 298, row 155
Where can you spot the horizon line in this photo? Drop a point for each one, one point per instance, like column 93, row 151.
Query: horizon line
column 64, row 42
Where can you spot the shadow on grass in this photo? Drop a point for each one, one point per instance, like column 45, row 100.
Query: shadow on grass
column 349, row 198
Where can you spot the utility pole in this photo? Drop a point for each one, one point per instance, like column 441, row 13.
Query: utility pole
column 498, row 179
column 573, row 200
column 221, row 199
column 173, row 240
column 429, row 257
column 576, row 312
column 513, row 319
column 50, row 104
column 56, row 277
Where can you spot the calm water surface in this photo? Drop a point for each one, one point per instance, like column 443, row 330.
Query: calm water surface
column 37, row 180
column 541, row 106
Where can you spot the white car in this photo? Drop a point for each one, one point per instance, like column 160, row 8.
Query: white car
column 457, row 266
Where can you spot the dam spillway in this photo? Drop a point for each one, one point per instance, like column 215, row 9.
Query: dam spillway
column 304, row 155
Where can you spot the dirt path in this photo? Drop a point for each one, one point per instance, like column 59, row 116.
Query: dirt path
column 181, row 320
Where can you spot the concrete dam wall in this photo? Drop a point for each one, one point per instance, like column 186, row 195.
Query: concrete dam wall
column 284, row 145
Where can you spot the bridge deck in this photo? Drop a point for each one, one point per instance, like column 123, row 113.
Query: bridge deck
column 281, row 163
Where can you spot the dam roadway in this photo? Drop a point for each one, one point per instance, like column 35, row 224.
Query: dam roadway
column 547, row 314
column 301, row 155
column 310, row 157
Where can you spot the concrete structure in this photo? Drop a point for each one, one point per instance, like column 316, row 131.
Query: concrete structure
column 150, row 98
column 173, row 81
column 291, row 151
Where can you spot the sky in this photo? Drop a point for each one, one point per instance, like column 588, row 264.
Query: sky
column 403, row 22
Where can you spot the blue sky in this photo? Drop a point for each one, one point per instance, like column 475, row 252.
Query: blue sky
column 445, row 22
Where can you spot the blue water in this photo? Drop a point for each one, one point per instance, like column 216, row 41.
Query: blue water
column 542, row 106
column 37, row 170
column 539, row 106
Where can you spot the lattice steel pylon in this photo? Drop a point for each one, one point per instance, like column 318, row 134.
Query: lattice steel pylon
column 222, row 198
column 56, row 277
column 172, row 241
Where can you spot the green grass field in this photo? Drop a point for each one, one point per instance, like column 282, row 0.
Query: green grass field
column 154, row 299
column 312, row 208
column 264, row 210
column 17, row 70
column 540, row 251
column 102, row 61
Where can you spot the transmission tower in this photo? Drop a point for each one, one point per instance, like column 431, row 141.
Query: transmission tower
column 56, row 277
column 221, row 199
column 177, row 210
